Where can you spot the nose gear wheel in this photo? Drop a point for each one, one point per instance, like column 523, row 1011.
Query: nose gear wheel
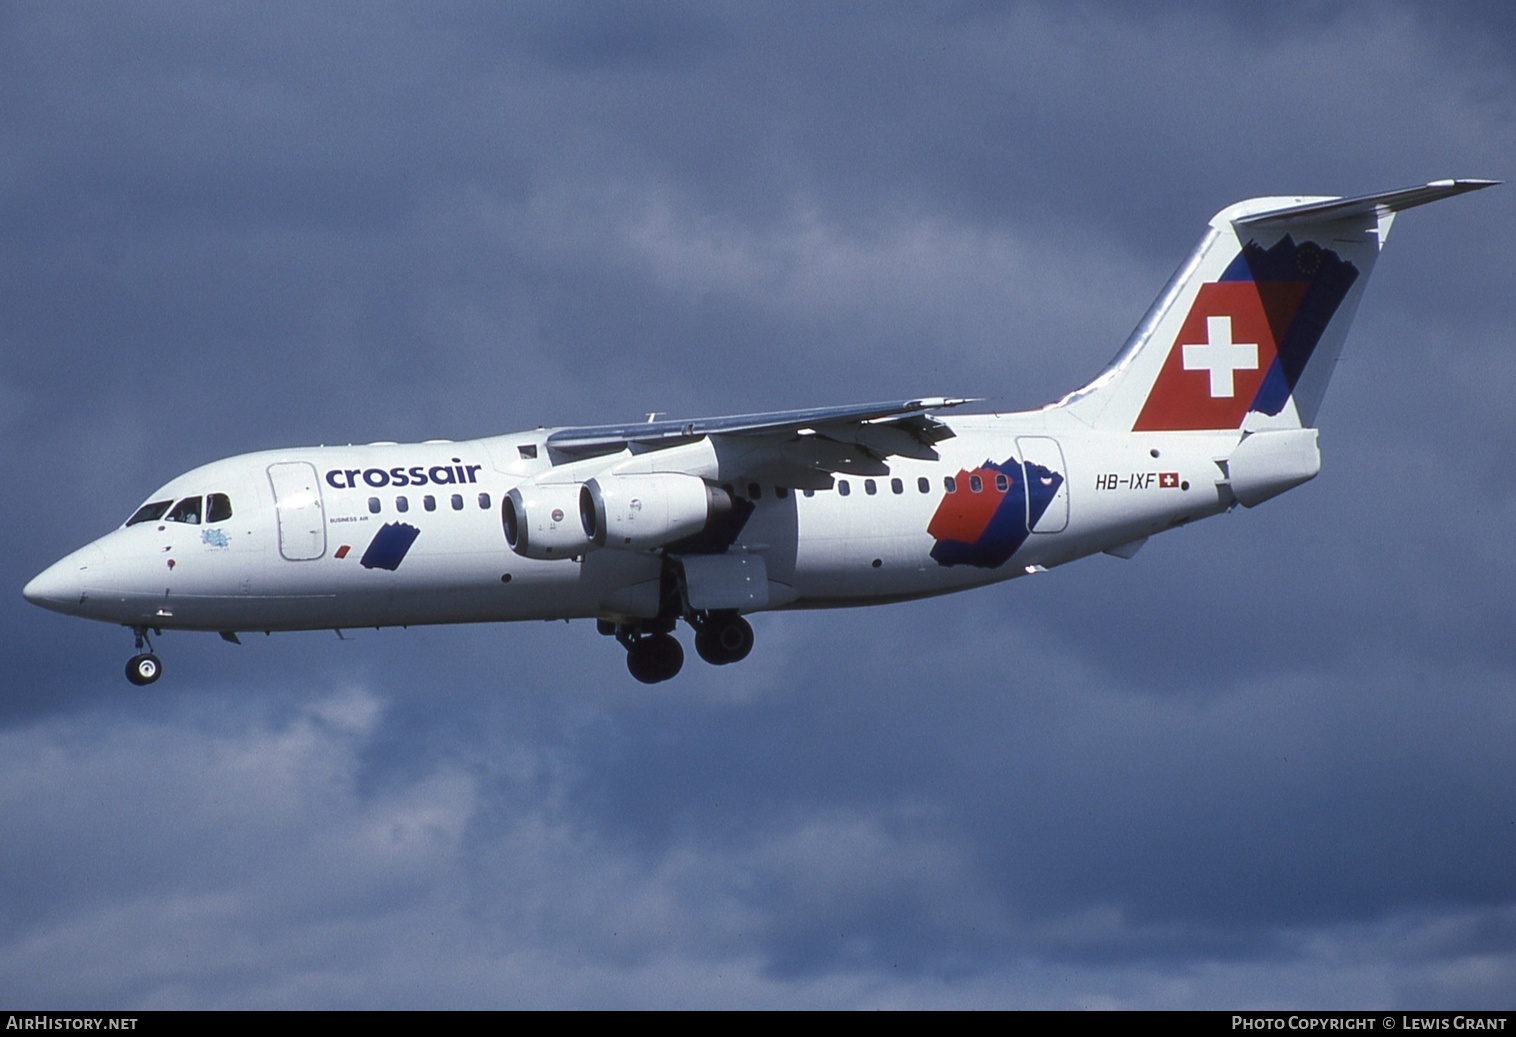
column 143, row 669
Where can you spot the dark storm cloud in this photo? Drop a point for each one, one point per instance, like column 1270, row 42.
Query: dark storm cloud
column 1264, row 762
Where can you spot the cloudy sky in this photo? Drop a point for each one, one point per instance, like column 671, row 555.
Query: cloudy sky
column 1267, row 762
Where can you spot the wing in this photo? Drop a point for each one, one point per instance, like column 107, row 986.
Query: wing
column 903, row 427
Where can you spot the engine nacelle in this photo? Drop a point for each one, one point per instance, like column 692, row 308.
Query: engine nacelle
column 637, row 512
column 543, row 521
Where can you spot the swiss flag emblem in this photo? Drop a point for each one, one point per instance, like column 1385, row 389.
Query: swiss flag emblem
column 1215, row 365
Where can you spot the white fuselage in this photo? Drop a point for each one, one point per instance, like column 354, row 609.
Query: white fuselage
column 293, row 556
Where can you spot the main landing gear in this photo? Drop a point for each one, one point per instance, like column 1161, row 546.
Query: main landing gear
column 144, row 667
column 654, row 655
column 722, row 638
column 654, row 658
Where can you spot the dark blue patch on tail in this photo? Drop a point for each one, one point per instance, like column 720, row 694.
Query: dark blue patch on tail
column 1301, row 285
column 389, row 546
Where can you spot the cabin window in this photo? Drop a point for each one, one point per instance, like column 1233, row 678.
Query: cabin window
column 373, row 505
column 924, row 484
column 218, row 507
column 429, row 502
column 896, row 486
column 950, row 484
column 402, row 504
column 186, row 511
column 755, row 491
column 843, row 488
column 808, row 492
column 484, row 502
column 1001, row 483
column 870, row 487
column 781, row 492
column 151, row 512
column 457, row 501
column 975, row 484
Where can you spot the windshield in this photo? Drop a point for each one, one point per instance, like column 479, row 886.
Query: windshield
column 187, row 510
column 217, row 507
column 150, row 512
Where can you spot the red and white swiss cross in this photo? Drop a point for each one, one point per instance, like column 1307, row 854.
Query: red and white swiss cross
column 1216, row 363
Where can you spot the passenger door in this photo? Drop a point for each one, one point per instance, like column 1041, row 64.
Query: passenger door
column 302, row 519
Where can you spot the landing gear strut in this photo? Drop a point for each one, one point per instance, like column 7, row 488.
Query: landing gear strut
column 144, row 667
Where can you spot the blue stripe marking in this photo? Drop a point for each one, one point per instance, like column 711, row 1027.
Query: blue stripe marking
column 389, row 546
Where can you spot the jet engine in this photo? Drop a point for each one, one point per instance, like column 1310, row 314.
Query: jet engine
column 543, row 521
column 637, row 512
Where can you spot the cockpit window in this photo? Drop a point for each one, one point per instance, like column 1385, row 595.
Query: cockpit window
column 187, row 511
column 218, row 508
column 150, row 512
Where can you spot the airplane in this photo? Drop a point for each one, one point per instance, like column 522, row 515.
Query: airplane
column 1210, row 404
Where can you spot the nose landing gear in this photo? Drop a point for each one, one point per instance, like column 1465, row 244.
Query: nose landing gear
column 144, row 667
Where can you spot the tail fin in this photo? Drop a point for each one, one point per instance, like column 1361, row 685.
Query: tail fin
column 1247, row 332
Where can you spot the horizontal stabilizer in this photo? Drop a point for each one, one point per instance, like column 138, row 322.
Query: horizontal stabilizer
column 1369, row 205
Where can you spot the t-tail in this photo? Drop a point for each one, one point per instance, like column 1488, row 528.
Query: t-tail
column 1246, row 334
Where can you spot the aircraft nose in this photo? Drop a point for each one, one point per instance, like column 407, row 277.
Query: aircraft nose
column 61, row 586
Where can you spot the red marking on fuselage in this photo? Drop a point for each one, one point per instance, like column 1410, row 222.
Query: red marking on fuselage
column 964, row 514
